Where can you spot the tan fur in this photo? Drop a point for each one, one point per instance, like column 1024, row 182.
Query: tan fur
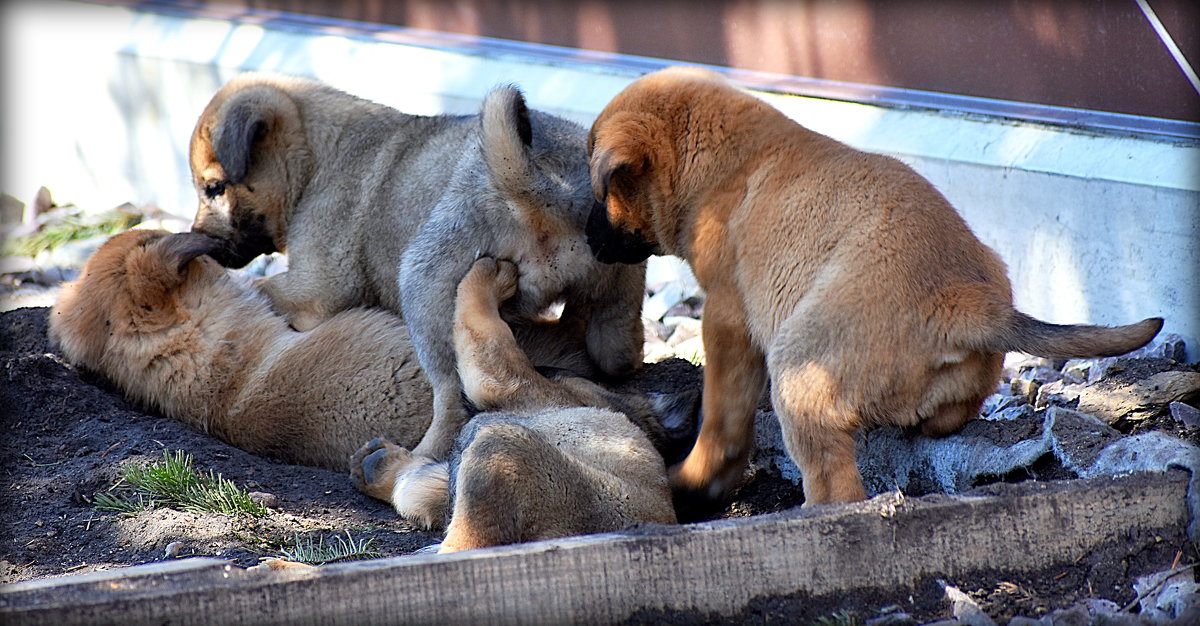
column 549, row 458
column 179, row 334
column 844, row 276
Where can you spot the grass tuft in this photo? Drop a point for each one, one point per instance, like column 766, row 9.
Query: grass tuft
column 319, row 552
column 173, row 483
column 72, row 225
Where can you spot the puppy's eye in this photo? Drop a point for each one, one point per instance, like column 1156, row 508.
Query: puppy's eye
column 212, row 190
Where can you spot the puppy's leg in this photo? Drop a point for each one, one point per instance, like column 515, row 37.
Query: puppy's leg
column 305, row 300
column 734, row 378
column 818, row 423
column 955, row 391
column 495, row 373
column 614, row 331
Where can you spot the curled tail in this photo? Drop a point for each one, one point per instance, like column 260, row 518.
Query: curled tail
column 1033, row 336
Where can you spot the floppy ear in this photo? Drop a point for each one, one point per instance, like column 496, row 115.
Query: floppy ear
column 627, row 145
column 607, row 164
column 244, row 120
column 155, row 272
column 180, row 249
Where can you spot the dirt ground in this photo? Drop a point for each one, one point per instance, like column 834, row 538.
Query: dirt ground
column 66, row 436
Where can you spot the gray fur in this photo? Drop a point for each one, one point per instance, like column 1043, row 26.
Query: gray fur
column 376, row 207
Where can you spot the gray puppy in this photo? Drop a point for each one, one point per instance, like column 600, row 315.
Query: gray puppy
column 376, row 207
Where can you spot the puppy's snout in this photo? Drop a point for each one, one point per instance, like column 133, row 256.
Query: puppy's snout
column 613, row 245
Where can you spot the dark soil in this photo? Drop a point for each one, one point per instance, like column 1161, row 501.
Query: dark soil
column 67, row 435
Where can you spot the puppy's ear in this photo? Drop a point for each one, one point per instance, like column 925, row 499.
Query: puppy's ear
column 244, row 121
column 154, row 273
column 625, row 147
column 607, row 165
column 179, row 249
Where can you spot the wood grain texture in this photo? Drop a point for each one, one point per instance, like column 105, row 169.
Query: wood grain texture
column 886, row 542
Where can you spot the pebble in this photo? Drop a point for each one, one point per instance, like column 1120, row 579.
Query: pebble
column 173, row 549
column 1185, row 414
column 263, row 498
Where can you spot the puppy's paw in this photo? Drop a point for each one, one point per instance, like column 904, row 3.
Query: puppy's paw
column 491, row 280
column 506, row 280
column 700, row 487
column 375, row 466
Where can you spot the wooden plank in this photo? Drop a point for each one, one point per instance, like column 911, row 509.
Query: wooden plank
column 712, row 567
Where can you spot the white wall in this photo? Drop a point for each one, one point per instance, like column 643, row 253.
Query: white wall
column 99, row 103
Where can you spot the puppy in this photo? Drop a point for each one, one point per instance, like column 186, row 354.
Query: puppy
column 844, row 276
column 180, row 335
column 549, row 457
column 375, row 207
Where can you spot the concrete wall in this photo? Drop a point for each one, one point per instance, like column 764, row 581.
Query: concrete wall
column 99, row 103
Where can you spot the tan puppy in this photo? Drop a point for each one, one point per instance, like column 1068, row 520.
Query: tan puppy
column 550, row 457
column 179, row 334
column 843, row 275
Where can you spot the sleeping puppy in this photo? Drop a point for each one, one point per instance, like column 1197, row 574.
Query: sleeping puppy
column 549, row 456
column 844, row 276
column 375, row 207
column 179, row 334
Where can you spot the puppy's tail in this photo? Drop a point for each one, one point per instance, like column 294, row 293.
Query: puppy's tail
column 1027, row 334
column 422, row 494
column 506, row 138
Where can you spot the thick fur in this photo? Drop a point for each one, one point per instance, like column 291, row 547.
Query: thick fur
column 548, row 457
column 180, row 335
column 375, row 207
column 844, row 276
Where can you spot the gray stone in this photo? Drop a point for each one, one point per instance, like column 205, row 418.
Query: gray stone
column 1057, row 393
column 1116, row 400
column 1185, row 414
column 263, row 498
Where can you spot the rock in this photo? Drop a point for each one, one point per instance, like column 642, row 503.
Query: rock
column 1167, row 596
column 661, row 270
column 1011, row 413
column 691, row 350
column 1025, row 388
column 263, row 498
column 70, row 254
column 1114, row 401
column 1168, row 346
column 1057, row 393
column 1185, row 414
column 16, row 264
column 173, row 550
column 1040, row 374
column 1076, row 371
column 965, row 610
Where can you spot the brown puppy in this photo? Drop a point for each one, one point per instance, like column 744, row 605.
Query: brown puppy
column 843, row 275
column 178, row 333
column 549, row 457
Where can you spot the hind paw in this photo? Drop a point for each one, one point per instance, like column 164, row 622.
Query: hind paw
column 375, row 466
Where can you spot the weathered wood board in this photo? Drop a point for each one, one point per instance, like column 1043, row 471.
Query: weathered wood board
column 887, row 542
